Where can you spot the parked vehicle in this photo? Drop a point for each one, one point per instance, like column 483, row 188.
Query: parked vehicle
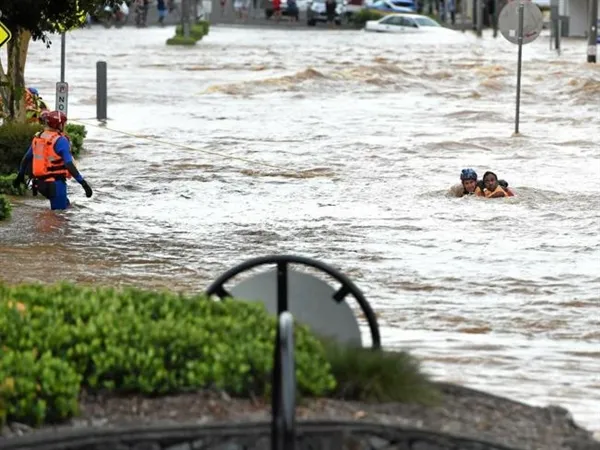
column 392, row 6
column 405, row 23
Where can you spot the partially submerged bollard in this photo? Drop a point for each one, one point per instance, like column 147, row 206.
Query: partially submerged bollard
column 101, row 91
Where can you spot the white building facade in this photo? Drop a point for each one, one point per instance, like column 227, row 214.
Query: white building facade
column 575, row 14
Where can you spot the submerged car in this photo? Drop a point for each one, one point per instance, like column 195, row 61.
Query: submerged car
column 404, row 23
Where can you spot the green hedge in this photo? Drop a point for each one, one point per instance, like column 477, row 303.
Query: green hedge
column 5, row 208
column 360, row 18
column 134, row 341
column 15, row 139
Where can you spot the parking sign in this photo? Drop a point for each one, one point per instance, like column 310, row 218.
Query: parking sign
column 62, row 97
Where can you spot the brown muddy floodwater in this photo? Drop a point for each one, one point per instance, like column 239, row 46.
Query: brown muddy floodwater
column 366, row 132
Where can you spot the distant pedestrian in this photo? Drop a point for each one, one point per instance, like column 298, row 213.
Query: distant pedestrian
column 330, row 10
column 162, row 11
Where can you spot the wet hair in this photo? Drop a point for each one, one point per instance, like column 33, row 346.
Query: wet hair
column 490, row 173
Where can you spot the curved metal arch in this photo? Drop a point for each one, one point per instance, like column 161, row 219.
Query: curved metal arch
column 282, row 261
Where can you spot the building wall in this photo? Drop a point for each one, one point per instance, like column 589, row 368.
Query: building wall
column 578, row 21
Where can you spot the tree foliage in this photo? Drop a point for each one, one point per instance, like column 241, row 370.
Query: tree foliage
column 44, row 17
column 37, row 20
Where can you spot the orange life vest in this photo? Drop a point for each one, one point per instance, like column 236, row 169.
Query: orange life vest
column 487, row 193
column 47, row 164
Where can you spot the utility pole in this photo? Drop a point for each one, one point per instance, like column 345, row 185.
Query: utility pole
column 593, row 31
column 496, row 14
column 479, row 8
column 185, row 18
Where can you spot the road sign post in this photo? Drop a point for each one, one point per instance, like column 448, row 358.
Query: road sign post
column 63, row 58
column 62, row 96
column 520, row 23
column 519, row 65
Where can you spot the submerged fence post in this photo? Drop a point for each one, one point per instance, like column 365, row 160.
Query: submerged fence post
column 101, row 91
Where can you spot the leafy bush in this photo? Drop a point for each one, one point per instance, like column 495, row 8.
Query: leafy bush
column 6, row 185
column 15, row 139
column 76, row 134
column 197, row 30
column 361, row 17
column 5, row 208
column 37, row 389
column 206, row 25
column 153, row 343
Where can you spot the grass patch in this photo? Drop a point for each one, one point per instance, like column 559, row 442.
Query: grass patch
column 181, row 40
column 364, row 374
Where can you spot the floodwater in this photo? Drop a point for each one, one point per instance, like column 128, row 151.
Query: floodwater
column 341, row 146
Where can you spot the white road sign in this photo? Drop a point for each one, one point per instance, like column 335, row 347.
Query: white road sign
column 62, row 96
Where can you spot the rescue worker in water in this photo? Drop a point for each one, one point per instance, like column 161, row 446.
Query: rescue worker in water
column 49, row 161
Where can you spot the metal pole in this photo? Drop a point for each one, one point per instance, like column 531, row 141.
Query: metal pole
column 479, row 12
column 185, row 18
column 496, row 18
column 101, row 91
column 194, row 11
column 558, row 34
column 593, row 32
column 288, row 379
column 519, row 61
column 553, row 21
column 463, row 13
column 276, row 388
column 63, row 56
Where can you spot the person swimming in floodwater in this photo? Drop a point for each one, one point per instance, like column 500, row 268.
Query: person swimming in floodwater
column 492, row 187
column 471, row 185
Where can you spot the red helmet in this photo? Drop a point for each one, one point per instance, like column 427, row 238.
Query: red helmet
column 56, row 119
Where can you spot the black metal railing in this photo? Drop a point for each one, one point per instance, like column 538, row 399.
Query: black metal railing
column 310, row 435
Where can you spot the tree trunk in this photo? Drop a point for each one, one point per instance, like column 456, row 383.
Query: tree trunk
column 14, row 92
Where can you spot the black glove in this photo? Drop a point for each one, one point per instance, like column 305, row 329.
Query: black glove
column 87, row 189
column 19, row 180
